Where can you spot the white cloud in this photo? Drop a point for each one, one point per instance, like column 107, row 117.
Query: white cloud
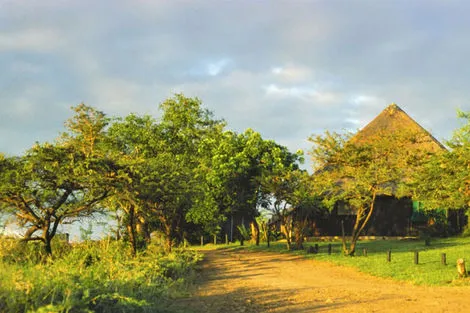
column 214, row 68
column 35, row 40
column 302, row 93
column 364, row 100
column 293, row 73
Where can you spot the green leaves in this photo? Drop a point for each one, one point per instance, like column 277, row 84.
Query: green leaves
column 59, row 182
column 356, row 169
column 444, row 181
column 167, row 174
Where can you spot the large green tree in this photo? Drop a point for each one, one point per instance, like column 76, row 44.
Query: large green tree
column 163, row 183
column 132, row 142
column 185, row 128
column 240, row 165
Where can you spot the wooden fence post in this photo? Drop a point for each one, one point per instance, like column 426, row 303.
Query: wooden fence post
column 443, row 259
column 389, row 255
column 202, row 241
column 215, row 239
column 364, row 252
column 416, row 257
column 226, row 239
column 329, row 248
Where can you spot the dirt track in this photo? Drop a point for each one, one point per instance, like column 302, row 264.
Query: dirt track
column 269, row 282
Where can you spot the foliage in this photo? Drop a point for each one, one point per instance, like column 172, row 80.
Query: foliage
column 444, row 181
column 92, row 277
column 291, row 202
column 131, row 142
column 57, row 183
column 351, row 171
column 162, row 184
column 244, row 233
column 181, row 175
column 239, row 166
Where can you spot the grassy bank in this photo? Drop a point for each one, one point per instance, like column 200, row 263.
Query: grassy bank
column 429, row 270
column 91, row 277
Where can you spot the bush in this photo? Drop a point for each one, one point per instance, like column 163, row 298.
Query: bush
column 91, row 277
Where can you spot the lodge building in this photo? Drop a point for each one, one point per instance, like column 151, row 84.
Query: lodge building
column 392, row 216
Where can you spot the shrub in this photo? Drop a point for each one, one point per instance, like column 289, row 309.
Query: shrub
column 91, row 277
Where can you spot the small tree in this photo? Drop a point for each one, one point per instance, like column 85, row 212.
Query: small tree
column 355, row 171
column 57, row 183
column 444, row 181
column 291, row 204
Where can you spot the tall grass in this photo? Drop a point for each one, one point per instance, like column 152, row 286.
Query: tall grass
column 90, row 277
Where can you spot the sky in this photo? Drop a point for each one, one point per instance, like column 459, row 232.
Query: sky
column 287, row 69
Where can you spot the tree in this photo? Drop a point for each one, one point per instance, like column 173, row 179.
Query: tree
column 56, row 183
column 186, row 130
column 163, row 183
column 281, row 187
column 354, row 171
column 307, row 206
column 238, row 168
column 444, row 181
column 131, row 142
column 292, row 203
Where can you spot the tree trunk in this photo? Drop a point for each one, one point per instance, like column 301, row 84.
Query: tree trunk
column 255, row 232
column 359, row 226
column 131, row 230
column 285, row 229
column 142, row 232
column 48, row 245
column 299, row 232
column 268, row 235
column 168, row 244
column 169, row 233
column 118, row 227
column 343, row 238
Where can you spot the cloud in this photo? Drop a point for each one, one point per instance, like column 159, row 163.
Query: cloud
column 215, row 68
column 286, row 70
column 30, row 40
column 292, row 73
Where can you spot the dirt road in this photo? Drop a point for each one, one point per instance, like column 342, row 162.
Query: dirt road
column 251, row 282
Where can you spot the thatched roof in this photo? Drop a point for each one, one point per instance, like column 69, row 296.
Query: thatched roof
column 394, row 120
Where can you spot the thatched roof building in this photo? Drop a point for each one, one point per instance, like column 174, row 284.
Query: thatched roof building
column 392, row 216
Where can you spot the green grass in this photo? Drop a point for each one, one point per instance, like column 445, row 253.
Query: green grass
column 91, row 277
column 429, row 271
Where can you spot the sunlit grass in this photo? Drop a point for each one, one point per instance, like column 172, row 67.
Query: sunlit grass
column 92, row 277
column 429, row 270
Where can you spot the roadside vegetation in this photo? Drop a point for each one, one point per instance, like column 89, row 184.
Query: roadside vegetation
column 97, row 276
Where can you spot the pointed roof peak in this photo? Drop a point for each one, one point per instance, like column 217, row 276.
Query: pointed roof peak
column 393, row 119
column 392, row 108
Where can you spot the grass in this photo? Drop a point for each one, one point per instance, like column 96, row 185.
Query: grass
column 91, row 277
column 102, row 277
column 429, row 271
